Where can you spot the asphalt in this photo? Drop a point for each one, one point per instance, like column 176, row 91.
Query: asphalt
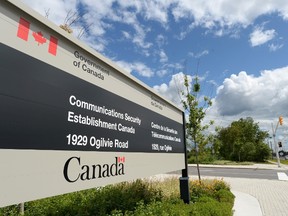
column 255, row 197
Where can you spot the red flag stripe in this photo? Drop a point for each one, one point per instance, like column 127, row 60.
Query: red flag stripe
column 23, row 29
column 53, row 44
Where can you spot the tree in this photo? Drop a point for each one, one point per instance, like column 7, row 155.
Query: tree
column 243, row 141
column 196, row 113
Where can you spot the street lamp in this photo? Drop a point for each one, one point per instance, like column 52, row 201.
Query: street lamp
column 280, row 121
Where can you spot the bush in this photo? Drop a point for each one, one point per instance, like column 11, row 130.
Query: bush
column 125, row 196
column 206, row 206
column 206, row 188
column 169, row 187
column 12, row 210
column 224, row 196
column 210, row 207
column 77, row 203
column 205, row 157
column 211, row 197
column 164, row 208
column 99, row 201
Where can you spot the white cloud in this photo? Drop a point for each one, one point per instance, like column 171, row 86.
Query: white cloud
column 227, row 13
column 199, row 54
column 137, row 67
column 205, row 13
column 213, row 83
column 142, row 69
column 162, row 73
column 133, row 5
column 161, row 40
column 100, row 46
column 172, row 90
column 150, row 10
column 260, row 36
column 263, row 96
column 139, row 37
column 224, row 17
column 156, row 10
column 219, row 16
column 126, row 35
column 163, row 56
column 274, row 47
column 57, row 9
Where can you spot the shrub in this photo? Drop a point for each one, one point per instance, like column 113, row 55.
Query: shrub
column 77, row 203
column 211, row 198
column 164, row 208
column 12, row 210
column 204, row 157
column 209, row 207
column 100, row 201
column 206, row 206
column 206, row 188
column 139, row 198
column 169, row 187
column 125, row 196
column 224, row 196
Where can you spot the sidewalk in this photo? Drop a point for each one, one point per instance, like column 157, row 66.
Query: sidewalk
column 273, row 166
column 261, row 196
column 257, row 196
column 245, row 204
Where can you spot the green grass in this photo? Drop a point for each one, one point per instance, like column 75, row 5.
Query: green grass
column 281, row 161
column 227, row 162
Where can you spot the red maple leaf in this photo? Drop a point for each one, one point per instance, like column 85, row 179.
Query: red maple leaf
column 39, row 37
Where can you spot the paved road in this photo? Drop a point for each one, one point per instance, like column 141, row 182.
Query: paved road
column 234, row 172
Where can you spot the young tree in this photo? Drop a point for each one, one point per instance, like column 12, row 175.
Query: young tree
column 196, row 111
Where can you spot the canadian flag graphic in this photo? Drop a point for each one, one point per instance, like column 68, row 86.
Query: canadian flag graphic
column 23, row 33
column 121, row 159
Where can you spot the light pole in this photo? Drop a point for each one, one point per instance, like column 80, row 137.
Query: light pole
column 271, row 147
column 275, row 144
column 280, row 121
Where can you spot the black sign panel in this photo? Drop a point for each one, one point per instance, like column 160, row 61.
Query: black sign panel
column 44, row 108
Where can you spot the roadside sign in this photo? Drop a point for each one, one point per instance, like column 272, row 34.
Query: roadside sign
column 70, row 119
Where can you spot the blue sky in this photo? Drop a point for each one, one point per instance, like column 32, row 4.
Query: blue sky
column 239, row 50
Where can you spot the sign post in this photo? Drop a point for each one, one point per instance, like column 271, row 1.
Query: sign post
column 184, row 180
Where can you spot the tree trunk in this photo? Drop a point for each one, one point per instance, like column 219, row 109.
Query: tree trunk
column 197, row 160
